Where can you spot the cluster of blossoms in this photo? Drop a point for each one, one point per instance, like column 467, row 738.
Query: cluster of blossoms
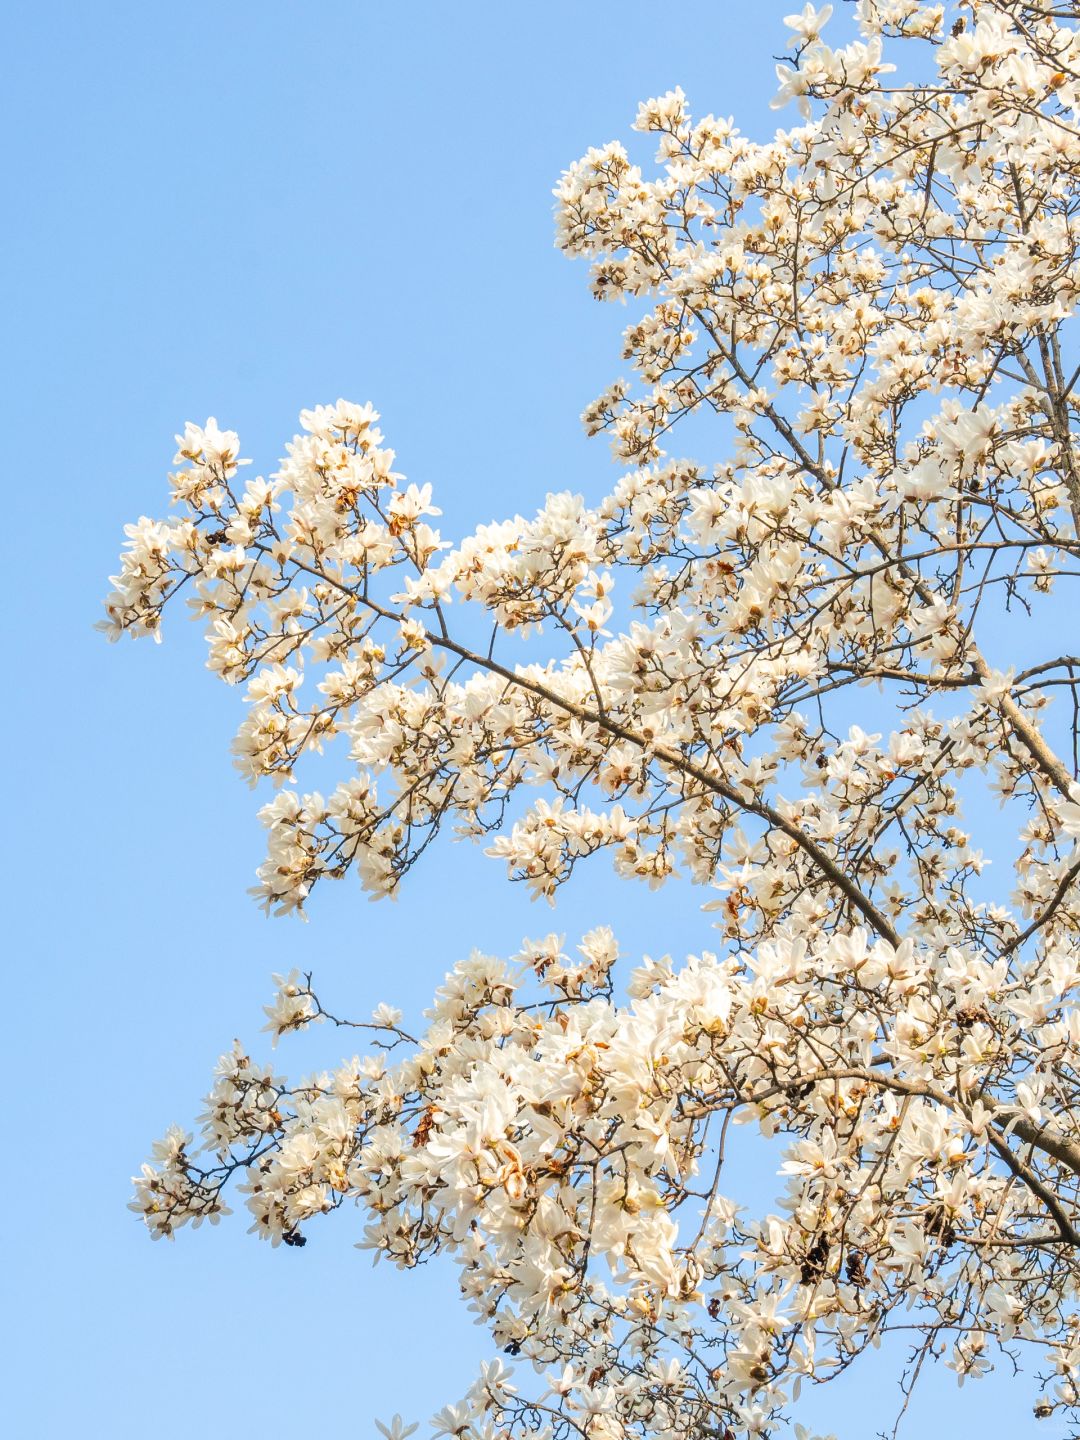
column 578, row 1159
column 777, row 676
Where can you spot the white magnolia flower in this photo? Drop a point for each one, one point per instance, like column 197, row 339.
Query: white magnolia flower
column 396, row 1430
column 809, row 22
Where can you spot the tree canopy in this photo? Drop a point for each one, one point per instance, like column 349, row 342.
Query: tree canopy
column 787, row 673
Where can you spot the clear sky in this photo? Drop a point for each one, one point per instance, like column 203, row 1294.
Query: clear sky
column 239, row 209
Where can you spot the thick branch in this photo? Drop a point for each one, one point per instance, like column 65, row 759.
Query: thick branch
column 1043, row 1137
column 668, row 756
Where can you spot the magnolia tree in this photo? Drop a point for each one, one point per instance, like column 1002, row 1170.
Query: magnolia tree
column 873, row 306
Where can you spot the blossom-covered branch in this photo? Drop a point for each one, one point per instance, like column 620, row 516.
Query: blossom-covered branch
column 783, row 674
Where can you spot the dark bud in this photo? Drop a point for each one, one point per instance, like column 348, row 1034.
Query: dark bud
column 815, row 1261
column 967, row 1017
column 958, row 26
column 514, row 1348
column 856, row 1268
column 294, row 1238
column 938, row 1225
column 714, row 1308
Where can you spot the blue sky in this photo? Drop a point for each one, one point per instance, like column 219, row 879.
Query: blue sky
column 241, row 209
